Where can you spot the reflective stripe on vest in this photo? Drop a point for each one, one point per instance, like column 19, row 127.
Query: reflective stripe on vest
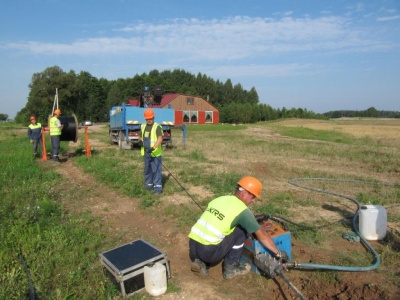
column 217, row 236
column 211, row 239
column 54, row 130
column 153, row 139
column 215, row 223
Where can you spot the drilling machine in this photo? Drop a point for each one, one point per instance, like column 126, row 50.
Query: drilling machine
column 259, row 257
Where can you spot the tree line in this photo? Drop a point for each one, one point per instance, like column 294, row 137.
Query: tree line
column 371, row 112
column 90, row 98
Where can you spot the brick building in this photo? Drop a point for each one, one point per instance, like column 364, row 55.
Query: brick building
column 188, row 109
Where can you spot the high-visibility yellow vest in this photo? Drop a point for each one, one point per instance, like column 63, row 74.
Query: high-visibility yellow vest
column 35, row 131
column 215, row 223
column 153, row 139
column 36, row 126
column 54, row 130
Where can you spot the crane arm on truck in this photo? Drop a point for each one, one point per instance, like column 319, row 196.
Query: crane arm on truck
column 151, row 97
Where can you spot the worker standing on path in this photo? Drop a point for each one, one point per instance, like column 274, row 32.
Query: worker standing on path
column 150, row 142
column 220, row 232
column 35, row 135
column 55, row 135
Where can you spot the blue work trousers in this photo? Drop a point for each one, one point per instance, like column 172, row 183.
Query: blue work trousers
column 230, row 249
column 152, row 173
column 37, row 144
column 55, row 145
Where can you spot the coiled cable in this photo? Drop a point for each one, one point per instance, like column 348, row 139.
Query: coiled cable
column 294, row 181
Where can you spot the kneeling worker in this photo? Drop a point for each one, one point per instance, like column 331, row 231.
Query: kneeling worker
column 220, row 232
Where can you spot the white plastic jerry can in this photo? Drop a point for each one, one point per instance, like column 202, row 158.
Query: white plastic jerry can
column 373, row 222
column 155, row 279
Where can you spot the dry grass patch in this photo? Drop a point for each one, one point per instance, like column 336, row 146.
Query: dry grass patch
column 384, row 131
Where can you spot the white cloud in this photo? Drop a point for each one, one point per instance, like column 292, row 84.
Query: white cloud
column 391, row 18
column 357, row 7
column 277, row 70
column 387, row 10
column 227, row 39
column 288, row 13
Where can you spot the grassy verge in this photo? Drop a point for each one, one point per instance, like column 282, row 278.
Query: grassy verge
column 59, row 250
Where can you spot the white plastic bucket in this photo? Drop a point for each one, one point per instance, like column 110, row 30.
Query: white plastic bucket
column 155, row 279
column 373, row 222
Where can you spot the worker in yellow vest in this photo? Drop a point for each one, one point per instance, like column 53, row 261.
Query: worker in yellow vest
column 35, row 135
column 220, row 232
column 150, row 142
column 55, row 135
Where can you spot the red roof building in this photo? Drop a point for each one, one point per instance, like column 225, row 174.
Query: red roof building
column 188, row 109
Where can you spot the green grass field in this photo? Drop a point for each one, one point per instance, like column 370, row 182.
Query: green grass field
column 58, row 249
column 36, row 229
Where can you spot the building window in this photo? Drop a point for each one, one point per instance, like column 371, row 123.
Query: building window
column 186, row 115
column 190, row 116
column 190, row 101
column 209, row 116
column 193, row 117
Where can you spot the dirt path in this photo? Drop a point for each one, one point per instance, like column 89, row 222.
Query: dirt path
column 122, row 215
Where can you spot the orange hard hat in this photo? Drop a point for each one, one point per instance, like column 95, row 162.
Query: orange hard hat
column 148, row 114
column 251, row 185
column 32, row 118
column 57, row 112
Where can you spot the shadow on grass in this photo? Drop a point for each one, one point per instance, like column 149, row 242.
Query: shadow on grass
column 345, row 213
column 392, row 240
column 81, row 152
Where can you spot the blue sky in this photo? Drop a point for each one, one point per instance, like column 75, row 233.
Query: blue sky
column 319, row 55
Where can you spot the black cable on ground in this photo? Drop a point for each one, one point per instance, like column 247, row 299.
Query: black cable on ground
column 291, row 286
column 197, row 203
column 309, row 227
column 28, row 275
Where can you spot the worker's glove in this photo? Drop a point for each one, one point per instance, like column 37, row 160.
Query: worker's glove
column 149, row 150
column 140, row 144
column 282, row 256
column 31, row 141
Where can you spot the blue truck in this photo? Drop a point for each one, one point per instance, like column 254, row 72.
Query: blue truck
column 125, row 121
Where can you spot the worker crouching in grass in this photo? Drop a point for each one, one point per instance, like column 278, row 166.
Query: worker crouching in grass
column 220, row 232
column 35, row 136
column 150, row 141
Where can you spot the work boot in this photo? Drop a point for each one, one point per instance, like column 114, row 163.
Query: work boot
column 230, row 271
column 199, row 267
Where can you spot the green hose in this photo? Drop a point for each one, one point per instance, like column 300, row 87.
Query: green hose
column 293, row 181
